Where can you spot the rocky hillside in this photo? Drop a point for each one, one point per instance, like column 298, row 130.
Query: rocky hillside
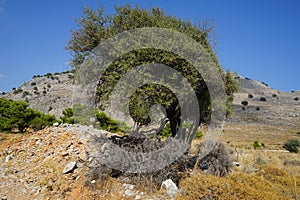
column 52, row 93
column 256, row 102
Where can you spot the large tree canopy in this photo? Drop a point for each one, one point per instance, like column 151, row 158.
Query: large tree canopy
column 95, row 26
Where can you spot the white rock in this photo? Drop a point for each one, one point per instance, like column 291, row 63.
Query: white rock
column 129, row 193
column 69, row 167
column 56, row 124
column 7, row 158
column 128, row 186
column 170, row 187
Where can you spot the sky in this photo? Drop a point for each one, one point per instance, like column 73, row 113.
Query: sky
column 258, row 39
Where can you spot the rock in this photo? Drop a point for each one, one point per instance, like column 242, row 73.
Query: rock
column 7, row 158
column 128, row 186
column 170, row 187
column 138, row 197
column 4, row 198
column 237, row 164
column 82, row 156
column 129, row 193
column 93, row 181
column 56, row 124
column 69, row 167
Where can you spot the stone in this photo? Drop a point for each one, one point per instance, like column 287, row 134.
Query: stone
column 7, row 158
column 138, row 197
column 128, row 186
column 170, row 186
column 129, row 193
column 56, row 124
column 69, row 167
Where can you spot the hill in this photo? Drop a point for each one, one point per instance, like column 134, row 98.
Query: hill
column 32, row 164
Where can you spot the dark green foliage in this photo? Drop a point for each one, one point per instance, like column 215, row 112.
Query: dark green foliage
column 244, row 103
column 265, row 84
column 256, row 144
column 296, row 98
column 263, row 99
column 257, row 108
column 292, row 145
column 274, row 95
column 25, row 93
column 17, row 114
column 298, row 133
column 95, row 27
column 17, row 91
column 33, row 83
column 107, row 123
column 67, row 116
column 250, row 96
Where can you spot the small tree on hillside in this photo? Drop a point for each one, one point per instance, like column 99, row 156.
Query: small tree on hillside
column 95, row 26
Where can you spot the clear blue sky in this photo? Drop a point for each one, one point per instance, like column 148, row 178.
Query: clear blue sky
column 259, row 39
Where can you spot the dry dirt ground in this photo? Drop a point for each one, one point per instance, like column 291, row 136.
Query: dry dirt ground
column 31, row 165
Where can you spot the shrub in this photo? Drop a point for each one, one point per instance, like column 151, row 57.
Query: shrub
column 35, row 88
column 33, row 83
column 257, row 108
column 199, row 135
column 67, row 117
column 107, row 123
column 296, row 98
column 298, row 133
column 274, row 95
column 244, row 103
column 256, row 144
column 17, row 114
column 18, row 91
column 25, row 93
column 250, row 96
column 292, row 145
column 265, row 84
column 263, row 99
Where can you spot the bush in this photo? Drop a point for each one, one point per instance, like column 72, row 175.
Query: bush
column 16, row 114
column 298, row 133
column 296, row 98
column 244, row 103
column 292, row 145
column 25, row 93
column 257, row 108
column 107, row 123
column 33, row 83
column 67, row 117
column 256, row 144
column 274, row 95
column 250, row 96
column 263, row 99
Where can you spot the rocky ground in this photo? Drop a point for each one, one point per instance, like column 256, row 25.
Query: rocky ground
column 35, row 165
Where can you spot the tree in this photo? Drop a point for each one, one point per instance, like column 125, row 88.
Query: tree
column 95, row 26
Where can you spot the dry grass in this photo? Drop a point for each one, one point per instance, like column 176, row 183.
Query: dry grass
column 268, row 183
